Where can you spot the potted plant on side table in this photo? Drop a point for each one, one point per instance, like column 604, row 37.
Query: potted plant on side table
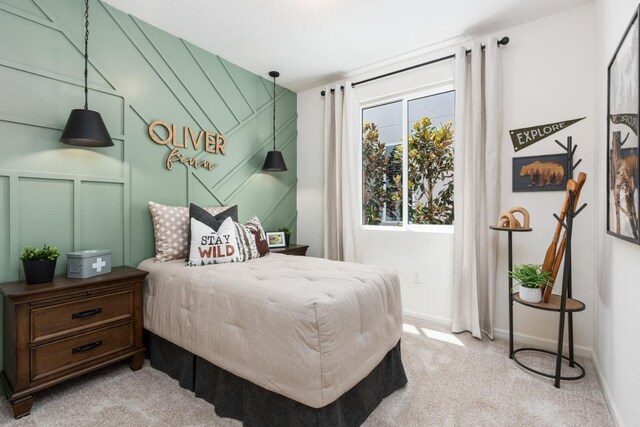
column 531, row 279
column 39, row 264
column 287, row 234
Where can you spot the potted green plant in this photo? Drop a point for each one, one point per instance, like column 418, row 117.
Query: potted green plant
column 531, row 278
column 39, row 264
column 287, row 234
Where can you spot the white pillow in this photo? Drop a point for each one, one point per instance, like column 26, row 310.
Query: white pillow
column 209, row 246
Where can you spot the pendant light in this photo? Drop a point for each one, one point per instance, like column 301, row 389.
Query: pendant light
column 86, row 127
column 274, row 161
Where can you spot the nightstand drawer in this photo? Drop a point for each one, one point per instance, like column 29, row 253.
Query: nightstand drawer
column 52, row 321
column 49, row 359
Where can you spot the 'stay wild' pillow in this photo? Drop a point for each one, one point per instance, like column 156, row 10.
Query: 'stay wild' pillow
column 211, row 219
column 212, row 246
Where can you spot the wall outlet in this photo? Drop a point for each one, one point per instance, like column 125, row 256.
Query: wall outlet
column 416, row 276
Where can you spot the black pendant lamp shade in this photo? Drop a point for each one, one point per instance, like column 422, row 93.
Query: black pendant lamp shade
column 274, row 161
column 86, row 127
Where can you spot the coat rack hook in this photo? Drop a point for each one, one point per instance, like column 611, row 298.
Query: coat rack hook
column 576, row 164
column 573, row 150
column 560, row 221
column 579, row 210
column 562, row 145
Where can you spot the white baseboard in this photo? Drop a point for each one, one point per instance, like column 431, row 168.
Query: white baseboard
column 546, row 343
column 421, row 316
column 501, row 333
column 606, row 390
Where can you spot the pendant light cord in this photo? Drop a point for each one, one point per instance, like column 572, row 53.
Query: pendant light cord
column 274, row 113
column 86, row 53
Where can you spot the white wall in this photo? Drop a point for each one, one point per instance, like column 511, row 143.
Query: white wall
column 310, row 172
column 548, row 77
column 617, row 343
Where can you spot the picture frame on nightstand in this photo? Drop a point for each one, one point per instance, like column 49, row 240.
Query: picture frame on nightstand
column 276, row 239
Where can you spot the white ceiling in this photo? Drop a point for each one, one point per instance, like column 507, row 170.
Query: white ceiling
column 312, row 42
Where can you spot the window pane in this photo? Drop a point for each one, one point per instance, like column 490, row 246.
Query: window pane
column 388, row 121
column 382, row 164
column 430, row 159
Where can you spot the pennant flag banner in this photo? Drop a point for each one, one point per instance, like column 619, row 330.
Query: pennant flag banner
column 524, row 137
column 629, row 119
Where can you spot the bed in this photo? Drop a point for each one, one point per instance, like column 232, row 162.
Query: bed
column 318, row 339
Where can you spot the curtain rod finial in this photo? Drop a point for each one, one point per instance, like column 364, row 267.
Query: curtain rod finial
column 503, row 41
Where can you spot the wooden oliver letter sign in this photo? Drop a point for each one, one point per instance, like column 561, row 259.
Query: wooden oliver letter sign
column 205, row 142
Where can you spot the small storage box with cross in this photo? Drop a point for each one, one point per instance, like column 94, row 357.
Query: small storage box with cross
column 93, row 262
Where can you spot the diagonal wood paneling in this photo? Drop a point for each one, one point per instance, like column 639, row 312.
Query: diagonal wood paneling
column 138, row 74
column 42, row 48
column 249, row 84
column 52, row 111
column 184, row 68
column 28, row 7
column 222, row 82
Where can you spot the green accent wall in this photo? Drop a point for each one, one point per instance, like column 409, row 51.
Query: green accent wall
column 77, row 198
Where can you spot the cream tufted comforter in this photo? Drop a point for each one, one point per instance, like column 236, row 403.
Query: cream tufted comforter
column 306, row 328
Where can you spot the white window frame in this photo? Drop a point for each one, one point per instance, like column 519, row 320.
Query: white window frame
column 405, row 97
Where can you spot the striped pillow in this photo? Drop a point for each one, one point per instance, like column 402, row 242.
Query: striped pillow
column 247, row 248
column 260, row 236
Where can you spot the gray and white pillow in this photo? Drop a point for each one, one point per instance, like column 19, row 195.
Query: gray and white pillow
column 171, row 229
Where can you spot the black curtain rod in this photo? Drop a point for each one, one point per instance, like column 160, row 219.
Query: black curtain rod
column 503, row 41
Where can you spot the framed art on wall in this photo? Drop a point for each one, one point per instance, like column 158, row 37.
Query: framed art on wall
column 540, row 173
column 623, row 106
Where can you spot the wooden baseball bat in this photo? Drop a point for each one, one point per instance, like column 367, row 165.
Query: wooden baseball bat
column 582, row 177
column 554, row 269
column 550, row 256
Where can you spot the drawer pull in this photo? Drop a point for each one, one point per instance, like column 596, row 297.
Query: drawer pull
column 87, row 347
column 86, row 313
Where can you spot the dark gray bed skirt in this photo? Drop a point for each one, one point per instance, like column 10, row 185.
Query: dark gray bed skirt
column 235, row 397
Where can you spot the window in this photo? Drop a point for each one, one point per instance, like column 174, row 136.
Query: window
column 408, row 140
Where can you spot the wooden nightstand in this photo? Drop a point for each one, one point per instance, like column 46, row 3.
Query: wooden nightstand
column 63, row 329
column 291, row 250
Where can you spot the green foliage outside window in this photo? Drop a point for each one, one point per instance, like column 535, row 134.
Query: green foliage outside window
column 430, row 173
column 374, row 165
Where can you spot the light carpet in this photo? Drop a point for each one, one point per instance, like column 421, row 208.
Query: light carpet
column 454, row 380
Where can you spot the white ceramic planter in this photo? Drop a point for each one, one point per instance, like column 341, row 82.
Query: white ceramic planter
column 530, row 294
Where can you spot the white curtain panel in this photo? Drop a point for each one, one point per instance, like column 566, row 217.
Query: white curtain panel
column 477, row 186
column 341, row 175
